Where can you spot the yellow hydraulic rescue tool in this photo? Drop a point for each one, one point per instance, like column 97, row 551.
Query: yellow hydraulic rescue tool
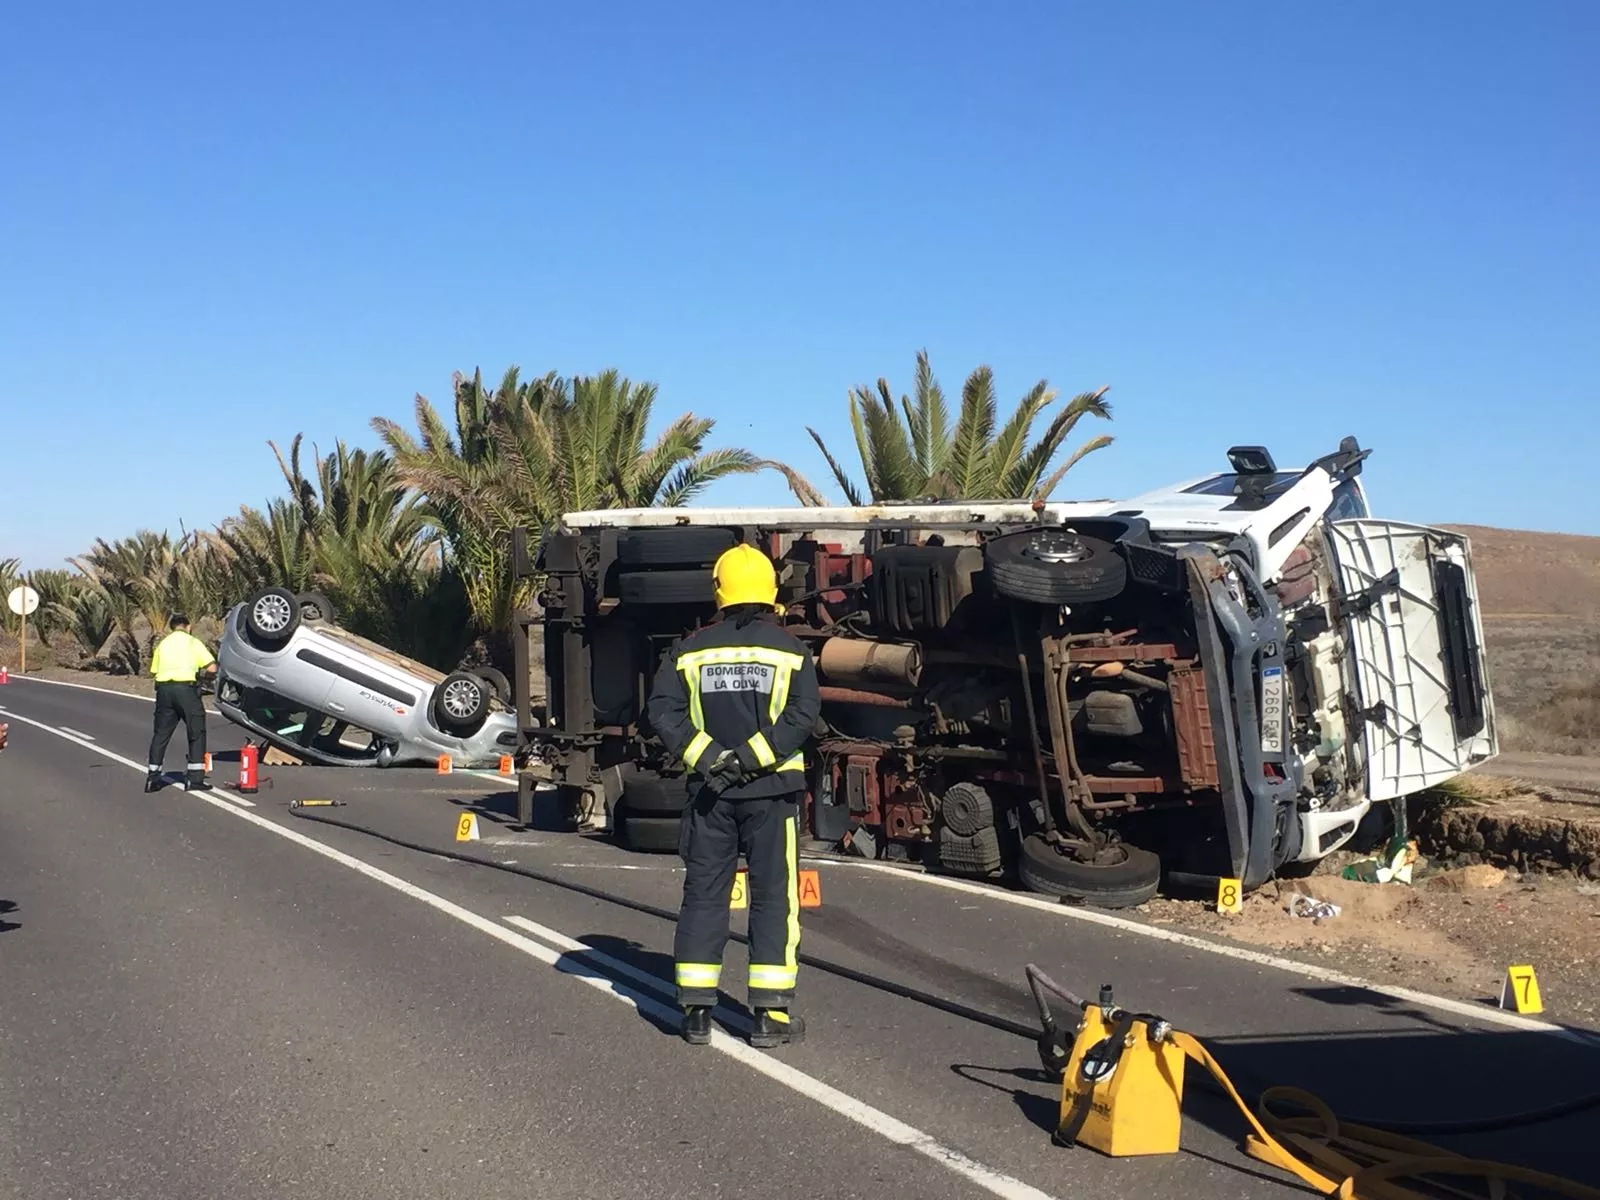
column 1122, row 1094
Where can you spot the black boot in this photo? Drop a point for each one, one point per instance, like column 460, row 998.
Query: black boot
column 196, row 781
column 697, row 1025
column 776, row 1027
column 152, row 781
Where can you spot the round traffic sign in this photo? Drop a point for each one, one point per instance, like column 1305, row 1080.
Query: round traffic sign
column 23, row 600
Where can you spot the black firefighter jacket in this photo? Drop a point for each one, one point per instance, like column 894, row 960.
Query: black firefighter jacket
column 743, row 684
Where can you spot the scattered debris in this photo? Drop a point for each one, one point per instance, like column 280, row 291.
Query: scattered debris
column 273, row 757
column 1465, row 879
column 1394, row 865
column 1309, row 906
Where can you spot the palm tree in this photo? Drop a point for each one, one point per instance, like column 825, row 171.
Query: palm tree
column 527, row 452
column 909, row 451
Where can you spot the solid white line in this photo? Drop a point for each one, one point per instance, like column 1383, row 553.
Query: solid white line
column 1478, row 1012
column 1490, row 1016
column 127, row 762
column 994, row 1182
column 76, row 733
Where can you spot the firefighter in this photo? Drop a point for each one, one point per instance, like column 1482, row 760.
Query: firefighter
column 736, row 701
column 179, row 659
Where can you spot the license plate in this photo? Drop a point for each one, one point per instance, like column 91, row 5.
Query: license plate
column 1272, row 710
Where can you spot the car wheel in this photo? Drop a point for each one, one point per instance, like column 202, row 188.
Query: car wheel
column 667, row 587
column 1130, row 877
column 648, row 835
column 496, row 680
column 314, row 606
column 272, row 616
column 461, row 702
column 1055, row 566
column 672, row 547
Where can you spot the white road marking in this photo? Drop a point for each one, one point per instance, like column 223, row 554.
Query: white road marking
column 1465, row 1008
column 127, row 762
column 68, row 729
column 995, row 1182
column 609, row 866
column 1479, row 1012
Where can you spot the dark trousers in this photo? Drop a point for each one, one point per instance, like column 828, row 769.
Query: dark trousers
column 715, row 831
column 179, row 702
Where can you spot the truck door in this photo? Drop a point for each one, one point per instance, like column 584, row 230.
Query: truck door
column 1409, row 614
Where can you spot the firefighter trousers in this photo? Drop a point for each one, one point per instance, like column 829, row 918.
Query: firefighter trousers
column 715, row 831
column 179, row 702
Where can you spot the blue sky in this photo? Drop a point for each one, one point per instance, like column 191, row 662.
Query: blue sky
column 1258, row 222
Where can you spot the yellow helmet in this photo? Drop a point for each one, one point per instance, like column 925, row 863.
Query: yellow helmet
column 744, row 575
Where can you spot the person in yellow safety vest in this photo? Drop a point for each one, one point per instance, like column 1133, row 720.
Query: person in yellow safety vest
column 737, row 701
column 176, row 665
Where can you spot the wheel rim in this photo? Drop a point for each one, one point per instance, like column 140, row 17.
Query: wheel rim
column 272, row 614
column 1058, row 548
column 461, row 699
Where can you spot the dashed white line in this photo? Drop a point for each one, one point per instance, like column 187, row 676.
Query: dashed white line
column 991, row 1180
column 71, row 732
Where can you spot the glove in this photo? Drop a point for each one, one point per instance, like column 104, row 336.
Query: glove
column 725, row 772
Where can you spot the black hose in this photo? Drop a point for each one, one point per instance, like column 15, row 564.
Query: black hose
column 905, row 992
column 1037, row 981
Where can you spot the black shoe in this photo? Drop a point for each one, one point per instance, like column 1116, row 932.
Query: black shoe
column 152, row 781
column 776, row 1027
column 697, row 1026
column 195, row 781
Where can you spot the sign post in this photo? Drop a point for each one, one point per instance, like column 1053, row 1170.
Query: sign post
column 23, row 600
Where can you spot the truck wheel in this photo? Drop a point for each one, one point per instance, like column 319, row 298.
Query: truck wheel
column 966, row 809
column 648, row 835
column 496, row 680
column 652, row 795
column 672, row 547
column 667, row 587
column 314, row 606
column 1055, row 566
column 460, row 703
column 1120, row 884
column 271, row 617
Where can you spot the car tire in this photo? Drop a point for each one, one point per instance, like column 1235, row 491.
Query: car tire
column 1124, row 884
column 648, row 835
column 461, row 703
column 314, row 606
column 496, row 680
column 271, row 617
column 688, row 547
column 1055, row 566
column 667, row 587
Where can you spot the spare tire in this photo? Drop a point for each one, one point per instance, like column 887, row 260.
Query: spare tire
column 1055, row 566
column 1130, row 881
column 652, row 795
column 461, row 702
column 496, row 680
column 314, row 606
column 649, row 835
column 271, row 617
column 681, row 547
column 667, row 587
column 966, row 809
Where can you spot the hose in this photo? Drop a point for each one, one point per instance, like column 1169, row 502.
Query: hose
column 1037, row 981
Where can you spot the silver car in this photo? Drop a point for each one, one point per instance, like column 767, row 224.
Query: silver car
column 287, row 673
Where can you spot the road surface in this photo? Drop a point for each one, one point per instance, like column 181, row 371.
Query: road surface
column 206, row 999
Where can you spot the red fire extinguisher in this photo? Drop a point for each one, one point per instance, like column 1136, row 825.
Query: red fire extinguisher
column 247, row 768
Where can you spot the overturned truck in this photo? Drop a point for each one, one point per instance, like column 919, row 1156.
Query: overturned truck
column 1216, row 680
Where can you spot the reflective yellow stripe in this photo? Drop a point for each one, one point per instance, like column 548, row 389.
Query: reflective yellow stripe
column 727, row 655
column 765, row 975
column 795, row 762
column 698, row 745
column 763, row 749
column 699, row 975
column 780, row 693
column 691, row 681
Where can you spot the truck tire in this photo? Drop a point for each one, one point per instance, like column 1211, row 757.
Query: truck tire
column 667, row 587
column 271, row 617
column 1055, row 566
column 314, row 606
column 648, row 835
column 691, row 547
column 461, row 702
column 966, row 809
column 1124, row 884
column 652, row 795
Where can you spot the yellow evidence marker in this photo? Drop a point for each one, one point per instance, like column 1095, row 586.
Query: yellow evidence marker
column 467, row 827
column 1523, row 987
column 1230, row 896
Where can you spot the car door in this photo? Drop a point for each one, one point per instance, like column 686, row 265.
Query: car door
column 362, row 692
column 1409, row 612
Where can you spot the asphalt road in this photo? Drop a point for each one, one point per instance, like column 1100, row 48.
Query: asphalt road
column 202, row 998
